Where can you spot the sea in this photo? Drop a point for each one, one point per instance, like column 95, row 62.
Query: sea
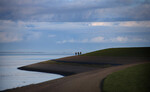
column 11, row 77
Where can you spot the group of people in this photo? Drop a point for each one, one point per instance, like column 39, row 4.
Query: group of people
column 78, row 53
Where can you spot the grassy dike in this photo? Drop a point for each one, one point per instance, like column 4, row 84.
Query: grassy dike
column 122, row 52
column 76, row 64
column 132, row 79
column 91, row 61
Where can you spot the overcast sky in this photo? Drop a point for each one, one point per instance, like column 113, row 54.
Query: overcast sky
column 75, row 10
column 73, row 25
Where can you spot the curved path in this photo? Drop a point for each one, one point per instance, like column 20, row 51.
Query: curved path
column 83, row 82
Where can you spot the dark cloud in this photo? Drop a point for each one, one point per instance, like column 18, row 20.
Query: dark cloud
column 75, row 10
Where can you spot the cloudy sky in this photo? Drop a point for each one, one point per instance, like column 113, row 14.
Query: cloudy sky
column 59, row 26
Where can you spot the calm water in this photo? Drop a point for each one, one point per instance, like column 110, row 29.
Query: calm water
column 11, row 77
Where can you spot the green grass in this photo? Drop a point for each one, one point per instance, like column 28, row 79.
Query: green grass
column 132, row 79
column 124, row 52
column 77, row 64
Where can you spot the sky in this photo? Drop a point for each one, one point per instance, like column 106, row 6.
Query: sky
column 68, row 26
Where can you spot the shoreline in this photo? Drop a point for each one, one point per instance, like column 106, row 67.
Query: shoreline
column 47, row 71
column 72, row 72
column 90, row 80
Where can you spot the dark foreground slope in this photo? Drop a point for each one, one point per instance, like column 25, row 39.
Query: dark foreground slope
column 132, row 79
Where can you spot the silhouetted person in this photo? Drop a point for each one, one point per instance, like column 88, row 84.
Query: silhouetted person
column 76, row 53
column 80, row 53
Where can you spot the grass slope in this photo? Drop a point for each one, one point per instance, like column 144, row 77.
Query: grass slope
column 132, row 79
column 125, row 52
column 77, row 64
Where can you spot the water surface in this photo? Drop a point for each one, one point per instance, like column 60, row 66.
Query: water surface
column 11, row 77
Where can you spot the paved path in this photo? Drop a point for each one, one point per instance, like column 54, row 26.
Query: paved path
column 83, row 82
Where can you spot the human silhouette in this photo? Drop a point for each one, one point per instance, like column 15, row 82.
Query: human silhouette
column 78, row 53
column 75, row 53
